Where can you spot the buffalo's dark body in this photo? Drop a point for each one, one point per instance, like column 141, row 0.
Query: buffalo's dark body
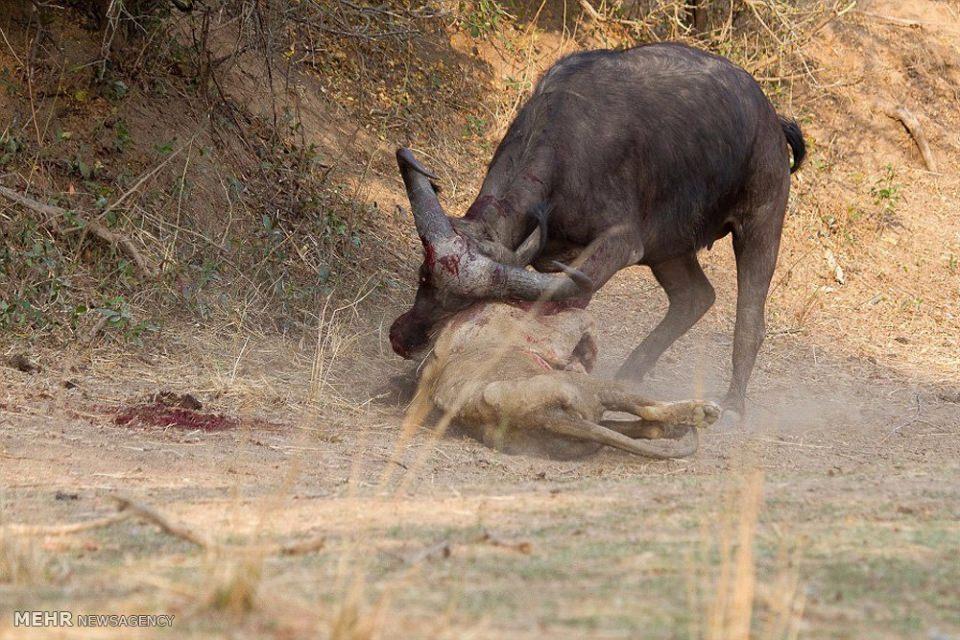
column 663, row 138
column 645, row 156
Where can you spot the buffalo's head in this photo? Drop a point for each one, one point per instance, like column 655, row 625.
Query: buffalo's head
column 459, row 269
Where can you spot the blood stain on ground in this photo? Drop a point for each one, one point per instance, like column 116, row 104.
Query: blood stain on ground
column 173, row 410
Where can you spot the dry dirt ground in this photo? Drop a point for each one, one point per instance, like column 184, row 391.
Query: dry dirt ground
column 833, row 512
column 850, row 474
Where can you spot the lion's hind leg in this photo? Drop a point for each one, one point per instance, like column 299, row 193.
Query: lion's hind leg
column 579, row 429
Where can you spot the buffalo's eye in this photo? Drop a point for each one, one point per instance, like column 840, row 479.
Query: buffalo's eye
column 423, row 279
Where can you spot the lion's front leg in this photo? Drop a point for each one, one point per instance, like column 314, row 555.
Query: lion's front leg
column 696, row 413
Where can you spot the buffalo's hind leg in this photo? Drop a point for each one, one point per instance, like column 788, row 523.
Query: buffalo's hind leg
column 690, row 294
column 756, row 244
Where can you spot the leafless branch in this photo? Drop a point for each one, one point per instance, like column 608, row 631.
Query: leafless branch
column 914, row 128
column 54, row 214
column 150, row 515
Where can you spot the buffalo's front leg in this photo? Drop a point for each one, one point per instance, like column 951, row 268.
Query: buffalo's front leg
column 612, row 251
column 690, row 295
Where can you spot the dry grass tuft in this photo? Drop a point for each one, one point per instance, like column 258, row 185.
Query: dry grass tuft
column 22, row 561
column 235, row 582
column 351, row 620
column 723, row 584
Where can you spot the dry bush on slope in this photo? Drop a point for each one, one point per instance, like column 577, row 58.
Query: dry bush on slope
column 240, row 148
column 160, row 129
column 867, row 204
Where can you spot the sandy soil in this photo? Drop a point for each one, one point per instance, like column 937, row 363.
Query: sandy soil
column 860, row 484
column 833, row 512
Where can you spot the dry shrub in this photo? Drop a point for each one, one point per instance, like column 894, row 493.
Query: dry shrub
column 22, row 562
column 158, row 137
column 235, row 582
column 351, row 620
column 725, row 596
column 764, row 36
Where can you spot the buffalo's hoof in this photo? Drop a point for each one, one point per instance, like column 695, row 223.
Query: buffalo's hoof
column 730, row 420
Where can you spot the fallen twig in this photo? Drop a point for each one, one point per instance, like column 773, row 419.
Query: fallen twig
column 30, row 203
column 67, row 529
column 915, row 418
column 130, row 508
column 311, row 545
column 146, row 176
column 522, row 546
column 298, row 548
column 148, row 514
column 900, row 22
column 54, row 214
column 914, row 128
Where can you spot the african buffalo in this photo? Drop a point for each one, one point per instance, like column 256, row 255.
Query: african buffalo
column 640, row 157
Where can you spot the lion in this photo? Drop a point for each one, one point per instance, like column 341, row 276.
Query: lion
column 517, row 378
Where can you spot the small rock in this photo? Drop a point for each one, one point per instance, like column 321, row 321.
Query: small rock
column 950, row 396
column 23, row 363
column 835, row 267
column 171, row 399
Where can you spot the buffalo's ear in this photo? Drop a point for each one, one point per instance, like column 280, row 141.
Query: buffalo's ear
column 477, row 236
column 520, row 258
column 536, row 240
column 495, row 251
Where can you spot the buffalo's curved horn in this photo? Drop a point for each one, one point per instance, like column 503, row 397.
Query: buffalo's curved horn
column 432, row 223
column 405, row 157
column 531, row 247
column 579, row 277
column 522, row 284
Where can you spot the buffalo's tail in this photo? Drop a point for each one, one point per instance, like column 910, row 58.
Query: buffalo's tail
column 791, row 130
